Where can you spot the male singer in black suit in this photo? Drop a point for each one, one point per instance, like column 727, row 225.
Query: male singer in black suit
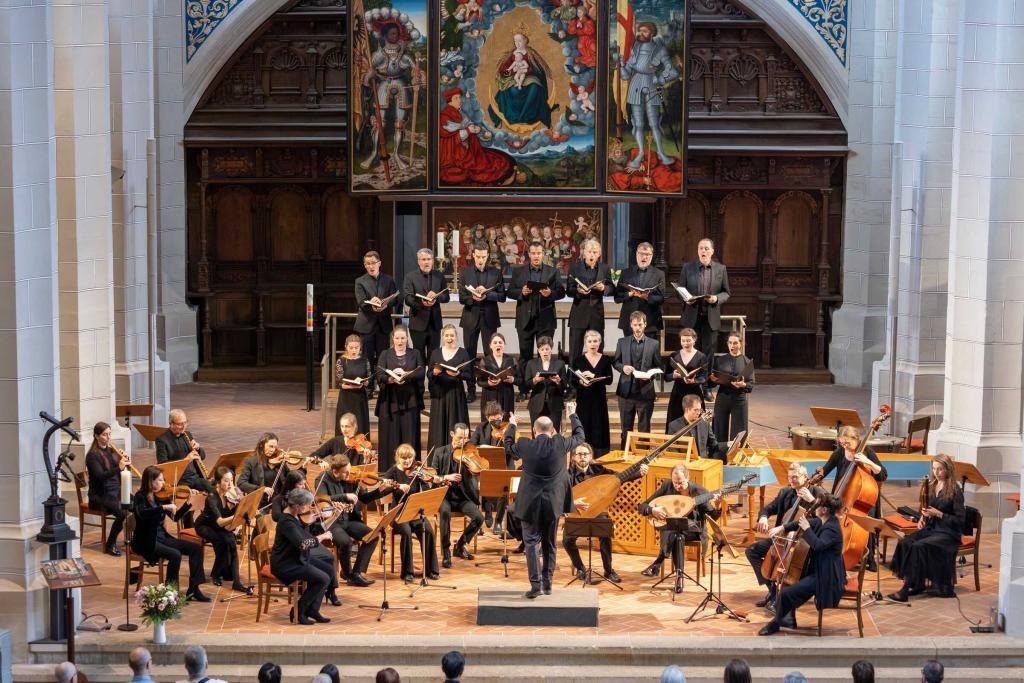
column 544, row 492
column 644, row 276
column 373, row 321
column 425, row 315
column 636, row 396
column 703, row 436
column 178, row 444
column 587, row 312
column 700, row 278
column 479, row 312
column 535, row 310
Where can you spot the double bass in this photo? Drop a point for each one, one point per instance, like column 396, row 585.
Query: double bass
column 859, row 492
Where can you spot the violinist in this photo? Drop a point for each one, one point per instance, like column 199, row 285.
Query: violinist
column 399, row 402
column 104, row 466
column 546, row 383
column 292, row 558
column 826, row 577
column 788, row 496
column 405, row 478
column 177, row 444
column 260, row 471
column 320, row 555
column 502, row 390
column 152, row 541
column 447, row 388
column 930, row 553
column 582, row 468
column 349, row 442
column 492, row 433
column 353, row 396
column 212, row 525
column 463, row 494
column 350, row 527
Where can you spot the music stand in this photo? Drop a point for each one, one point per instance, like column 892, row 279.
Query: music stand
column 130, row 410
column 418, row 507
column 836, row 417
column 589, row 528
column 678, row 526
column 879, row 529
column 737, row 445
column 720, row 542
column 494, row 454
column 386, row 521
column 173, row 469
column 498, row 484
column 244, row 516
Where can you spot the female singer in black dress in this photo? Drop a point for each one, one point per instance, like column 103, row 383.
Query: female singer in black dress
column 930, row 553
column 400, row 402
column 212, row 525
column 544, row 380
column 826, row 579
column 592, row 393
column 447, row 389
column 320, row 555
column 691, row 359
column 104, row 467
column 292, row 558
column 503, row 391
column 731, row 402
column 259, row 472
column 353, row 398
column 152, row 541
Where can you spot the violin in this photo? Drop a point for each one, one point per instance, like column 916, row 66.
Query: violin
column 294, row 459
column 361, row 444
column 469, row 456
column 421, row 471
column 498, row 433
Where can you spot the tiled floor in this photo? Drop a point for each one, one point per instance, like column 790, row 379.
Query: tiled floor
column 230, row 417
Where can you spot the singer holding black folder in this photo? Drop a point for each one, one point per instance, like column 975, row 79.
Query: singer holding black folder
column 481, row 289
column 545, row 381
column 400, row 375
column 536, row 287
column 641, row 288
column 449, row 371
column 707, row 283
column 734, row 374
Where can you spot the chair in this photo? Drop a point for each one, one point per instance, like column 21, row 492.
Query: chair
column 85, row 511
column 698, row 560
column 969, row 545
column 900, row 523
column 852, row 593
column 916, row 426
column 138, row 560
column 266, row 583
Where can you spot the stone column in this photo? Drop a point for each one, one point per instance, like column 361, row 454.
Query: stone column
column 918, row 262
column 858, row 327
column 28, row 308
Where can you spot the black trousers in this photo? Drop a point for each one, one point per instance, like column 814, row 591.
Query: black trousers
column 425, row 532
column 730, row 415
column 317, row 580
column 670, row 547
column 756, row 552
column 112, row 506
column 473, row 336
column 539, row 538
column 225, row 553
column 344, row 535
column 513, row 525
column 576, row 337
column 528, row 339
column 466, row 507
column 373, row 343
column 569, row 544
column 794, row 596
column 171, row 549
column 707, row 338
column 426, row 341
column 635, row 410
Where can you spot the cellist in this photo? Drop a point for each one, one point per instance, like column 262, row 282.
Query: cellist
column 781, row 507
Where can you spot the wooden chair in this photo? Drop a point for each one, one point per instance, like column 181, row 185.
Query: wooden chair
column 852, row 593
column 917, row 426
column 698, row 559
column 85, row 511
column 969, row 545
column 266, row 583
column 138, row 560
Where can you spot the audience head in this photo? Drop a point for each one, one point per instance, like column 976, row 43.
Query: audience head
column 331, row 672
column 388, row 675
column 933, row 672
column 795, row 677
column 863, row 672
column 453, row 664
column 195, row 661
column 673, row 674
column 139, row 659
column 269, row 673
column 320, row 678
column 737, row 671
column 65, row 672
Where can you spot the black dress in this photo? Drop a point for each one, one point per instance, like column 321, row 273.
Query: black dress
column 680, row 389
column 730, row 402
column 504, row 393
column 546, row 397
column 225, row 551
column 399, row 405
column 447, row 396
column 592, row 402
column 292, row 559
column 105, row 487
column 352, row 399
column 930, row 553
column 424, row 531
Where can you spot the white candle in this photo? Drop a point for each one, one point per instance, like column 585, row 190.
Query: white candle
column 440, row 245
column 126, row 486
column 455, row 243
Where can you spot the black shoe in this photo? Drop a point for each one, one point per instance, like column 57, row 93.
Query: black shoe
column 946, row 592
column 613, row 576
column 766, row 600
column 788, row 621
column 872, row 565
column 653, row 569
column 319, row 618
column 498, row 529
column 532, row 593
column 446, row 560
column 358, row 580
column 241, row 588
column 470, row 397
column 433, row 576
column 291, row 616
column 408, row 578
column 305, row 621
column 112, row 550
column 332, row 598
column 460, row 551
column 769, row 629
column 708, row 397
column 488, row 520
column 898, row 596
column 196, row 595
column 217, row 581
column 547, row 590
column 581, row 574
column 917, row 591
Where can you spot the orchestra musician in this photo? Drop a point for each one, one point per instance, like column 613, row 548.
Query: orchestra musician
column 636, row 396
column 350, row 527
column 641, row 287
column 425, row 313
column 826, row 577
column 592, row 392
column 502, row 391
column 104, row 466
column 373, row 321
column 354, row 399
column 463, row 495
column 796, row 476
column 177, row 444
column 448, row 403
column 672, row 540
column 319, row 555
column 929, row 554
column 691, row 360
column 544, row 380
column 212, row 524
column 292, row 559
column 582, row 468
column 480, row 319
column 587, row 311
column 258, row 471
column 703, row 436
column 339, row 445
column 544, row 493
column 708, row 282
column 152, row 541
column 535, row 310
column 488, row 433
column 731, row 401
column 399, row 403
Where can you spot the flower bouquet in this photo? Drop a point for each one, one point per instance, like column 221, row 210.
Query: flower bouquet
column 159, row 604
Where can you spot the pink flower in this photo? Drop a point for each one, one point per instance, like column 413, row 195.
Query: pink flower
column 162, row 605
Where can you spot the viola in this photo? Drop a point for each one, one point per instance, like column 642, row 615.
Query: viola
column 469, row 456
column 421, row 471
column 361, row 444
column 498, row 433
column 294, row 459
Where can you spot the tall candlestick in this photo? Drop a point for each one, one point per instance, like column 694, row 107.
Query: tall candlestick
column 440, row 245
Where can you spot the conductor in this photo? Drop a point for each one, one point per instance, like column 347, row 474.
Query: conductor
column 544, row 493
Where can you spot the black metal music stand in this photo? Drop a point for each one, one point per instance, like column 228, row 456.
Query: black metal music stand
column 878, row 529
column 721, row 542
column 590, row 528
column 679, row 526
column 418, row 507
column 385, row 523
column 497, row 483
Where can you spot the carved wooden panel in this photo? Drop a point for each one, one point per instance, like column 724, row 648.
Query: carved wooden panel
column 289, row 221
column 233, row 226
column 741, row 227
column 688, row 224
column 794, row 229
column 341, row 225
